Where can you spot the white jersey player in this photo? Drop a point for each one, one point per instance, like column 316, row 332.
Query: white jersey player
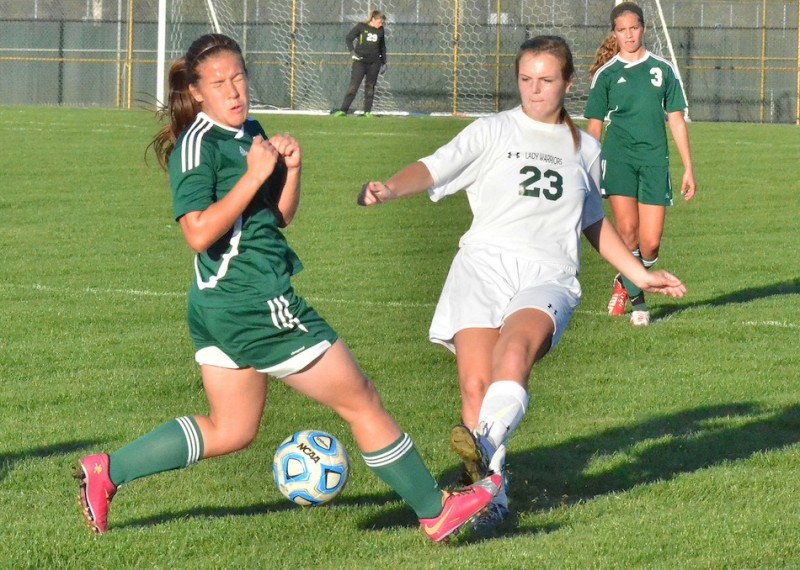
column 531, row 193
column 532, row 179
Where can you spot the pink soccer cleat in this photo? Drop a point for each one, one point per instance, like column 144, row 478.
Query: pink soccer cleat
column 95, row 490
column 460, row 508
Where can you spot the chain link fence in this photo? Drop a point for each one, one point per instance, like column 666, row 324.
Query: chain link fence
column 739, row 59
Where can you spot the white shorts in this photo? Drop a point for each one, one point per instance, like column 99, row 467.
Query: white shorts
column 484, row 286
column 214, row 356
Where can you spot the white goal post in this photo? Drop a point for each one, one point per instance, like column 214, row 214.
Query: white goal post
column 161, row 59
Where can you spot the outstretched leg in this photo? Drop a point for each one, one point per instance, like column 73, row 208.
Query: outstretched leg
column 525, row 338
column 236, row 400
column 336, row 381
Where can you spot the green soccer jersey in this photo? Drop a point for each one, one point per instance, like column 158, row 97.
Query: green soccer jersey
column 634, row 96
column 252, row 261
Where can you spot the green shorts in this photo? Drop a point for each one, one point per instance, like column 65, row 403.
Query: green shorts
column 280, row 336
column 648, row 184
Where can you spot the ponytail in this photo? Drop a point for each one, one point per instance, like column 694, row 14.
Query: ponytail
column 179, row 112
column 181, row 108
column 608, row 49
column 576, row 136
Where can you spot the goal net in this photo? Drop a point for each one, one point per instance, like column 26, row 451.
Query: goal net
column 445, row 57
column 295, row 51
column 483, row 44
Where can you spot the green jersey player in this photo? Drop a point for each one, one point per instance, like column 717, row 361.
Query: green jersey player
column 233, row 189
column 532, row 181
column 634, row 90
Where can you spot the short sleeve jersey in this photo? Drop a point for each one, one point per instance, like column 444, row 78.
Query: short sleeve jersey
column 252, row 261
column 634, row 96
column 531, row 192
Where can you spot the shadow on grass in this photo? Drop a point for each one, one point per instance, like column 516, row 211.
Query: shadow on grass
column 790, row 287
column 7, row 460
column 581, row 469
column 257, row 509
column 619, row 459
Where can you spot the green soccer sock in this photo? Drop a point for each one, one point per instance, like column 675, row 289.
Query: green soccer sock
column 173, row 445
column 400, row 466
column 638, row 301
column 633, row 291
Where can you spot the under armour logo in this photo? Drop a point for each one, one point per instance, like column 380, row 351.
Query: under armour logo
column 513, row 155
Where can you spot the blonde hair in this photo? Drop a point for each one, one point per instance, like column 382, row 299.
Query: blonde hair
column 608, row 49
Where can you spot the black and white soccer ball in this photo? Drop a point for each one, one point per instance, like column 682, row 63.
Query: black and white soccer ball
column 310, row 467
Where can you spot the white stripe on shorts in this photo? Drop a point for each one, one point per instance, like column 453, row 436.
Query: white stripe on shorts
column 274, row 313
column 279, row 309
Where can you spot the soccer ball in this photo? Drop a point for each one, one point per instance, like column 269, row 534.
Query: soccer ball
column 310, row 467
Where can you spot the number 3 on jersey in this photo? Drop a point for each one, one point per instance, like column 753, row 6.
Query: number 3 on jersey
column 658, row 77
column 552, row 186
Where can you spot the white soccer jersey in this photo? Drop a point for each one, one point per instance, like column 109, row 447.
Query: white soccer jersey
column 531, row 193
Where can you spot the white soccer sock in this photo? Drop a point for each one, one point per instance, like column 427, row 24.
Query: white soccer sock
column 648, row 263
column 502, row 410
column 497, row 464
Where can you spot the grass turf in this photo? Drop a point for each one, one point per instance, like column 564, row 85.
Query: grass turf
column 673, row 446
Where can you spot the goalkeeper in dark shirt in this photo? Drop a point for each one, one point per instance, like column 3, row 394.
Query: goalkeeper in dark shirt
column 367, row 47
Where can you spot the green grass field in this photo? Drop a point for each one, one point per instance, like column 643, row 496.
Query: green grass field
column 675, row 446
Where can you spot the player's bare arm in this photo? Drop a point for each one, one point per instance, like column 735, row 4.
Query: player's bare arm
column 605, row 239
column 680, row 134
column 412, row 179
column 595, row 128
column 203, row 228
column 291, row 155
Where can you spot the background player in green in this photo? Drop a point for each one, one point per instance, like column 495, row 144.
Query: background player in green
column 633, row 89
column 233, row 189
column 367, row 46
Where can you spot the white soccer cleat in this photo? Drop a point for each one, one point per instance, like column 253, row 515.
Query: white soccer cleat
column 640, row 318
